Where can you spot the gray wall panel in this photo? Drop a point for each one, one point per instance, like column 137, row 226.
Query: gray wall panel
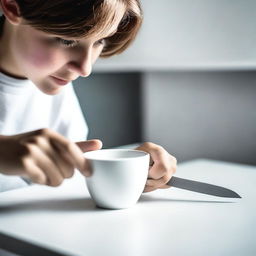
column 111, row 105
column 202, row 114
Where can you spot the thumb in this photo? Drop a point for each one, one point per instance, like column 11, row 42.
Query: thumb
column 89, row 145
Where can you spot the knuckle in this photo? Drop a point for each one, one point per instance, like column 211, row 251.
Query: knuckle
column 56, row 182
column 28, row 149
column 36, row 140
column 154, row 148
column 69, row 173
column 148, row 144
column 174, row 159
column 24, row 163
column 37, row 178
column 43, row 132
column 166, row 178
column 158, row 149
column 69, row 146
column 174, row 169
column 163, row 167
column 173, row 164
column 33, row 140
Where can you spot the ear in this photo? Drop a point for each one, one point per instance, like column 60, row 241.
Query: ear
column 11, row 11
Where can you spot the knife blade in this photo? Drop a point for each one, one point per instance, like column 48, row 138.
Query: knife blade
column 201, row 187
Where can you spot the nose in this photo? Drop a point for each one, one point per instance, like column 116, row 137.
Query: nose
column 81, row 63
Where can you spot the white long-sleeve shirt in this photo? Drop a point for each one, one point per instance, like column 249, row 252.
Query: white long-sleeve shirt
column 23, row 108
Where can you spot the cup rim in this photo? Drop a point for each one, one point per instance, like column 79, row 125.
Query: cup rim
column 93, row 157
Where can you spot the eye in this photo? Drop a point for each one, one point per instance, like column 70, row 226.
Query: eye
column 68, row 43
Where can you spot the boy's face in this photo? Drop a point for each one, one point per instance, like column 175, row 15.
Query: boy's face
column 51, row 62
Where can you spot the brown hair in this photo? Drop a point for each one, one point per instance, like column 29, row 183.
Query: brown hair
column 83, row 18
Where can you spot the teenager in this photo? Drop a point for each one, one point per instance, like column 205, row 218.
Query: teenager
column 44, row 46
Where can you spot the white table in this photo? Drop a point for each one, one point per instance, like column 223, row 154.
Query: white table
column 165, row 222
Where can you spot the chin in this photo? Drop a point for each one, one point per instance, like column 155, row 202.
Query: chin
column 52, row 91
column 49, row 89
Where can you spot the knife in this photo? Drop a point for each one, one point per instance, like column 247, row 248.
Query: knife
column 202, row 187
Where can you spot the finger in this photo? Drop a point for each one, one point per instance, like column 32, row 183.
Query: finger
column 88, row 169
column 158, row 183
column 49, row 168
column 165, row 167
column 54, row 176
column 158, row 170
column 152, row 185
column 159, row 159
column 89, row 145
column 65, row 166
column 148, row 189
column 165, row 187
column 69, row 150
column 33, row 172
column 153, row 149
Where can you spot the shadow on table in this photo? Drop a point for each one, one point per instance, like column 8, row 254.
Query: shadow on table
column 86, row 204
column 70, row 204
column 148, row 198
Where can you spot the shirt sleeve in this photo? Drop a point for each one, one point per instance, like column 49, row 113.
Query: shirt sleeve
column 11, row 182
column 71, row 123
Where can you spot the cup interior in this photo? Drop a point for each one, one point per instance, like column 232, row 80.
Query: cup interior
column 114, row 154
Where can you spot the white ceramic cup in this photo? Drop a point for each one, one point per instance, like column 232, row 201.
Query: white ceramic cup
column 118, row 176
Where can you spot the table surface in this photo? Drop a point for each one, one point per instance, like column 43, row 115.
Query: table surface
column 164, row 222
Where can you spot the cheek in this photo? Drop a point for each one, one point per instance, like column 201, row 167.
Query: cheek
column 38, row 55
column 96, row 54
column 41, row 58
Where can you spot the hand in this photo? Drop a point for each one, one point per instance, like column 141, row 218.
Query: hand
column 43, row 156
column 162, row 166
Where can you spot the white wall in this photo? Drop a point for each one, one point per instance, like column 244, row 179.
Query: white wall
column 192, row 34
